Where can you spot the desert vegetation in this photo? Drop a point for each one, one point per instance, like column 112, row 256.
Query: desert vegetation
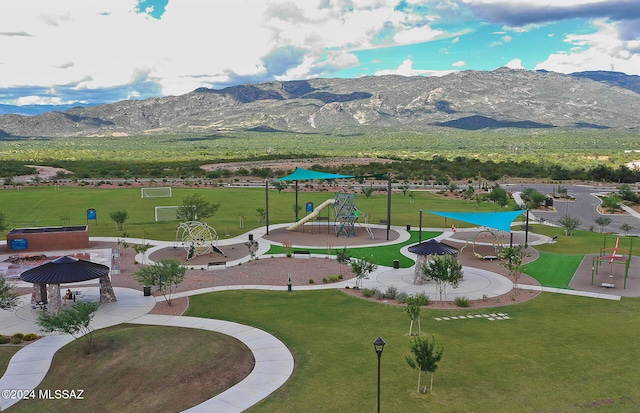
column 435, row 156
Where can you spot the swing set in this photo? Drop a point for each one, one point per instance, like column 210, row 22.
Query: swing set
column 496, row 242
column 613, row 255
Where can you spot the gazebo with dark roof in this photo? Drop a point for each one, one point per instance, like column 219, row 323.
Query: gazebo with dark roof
column 47, row 278
column 426, row 249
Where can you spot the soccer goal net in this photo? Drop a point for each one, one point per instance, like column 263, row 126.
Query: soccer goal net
column 167, row 213
column 160, row 192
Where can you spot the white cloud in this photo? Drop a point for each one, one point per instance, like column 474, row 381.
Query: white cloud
column 459, row 63
column 406, row 69
column 98, row 44
column 603, row 50
column 39, row 100
column 515, row 64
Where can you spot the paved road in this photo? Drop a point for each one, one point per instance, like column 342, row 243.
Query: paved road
column 584, row 207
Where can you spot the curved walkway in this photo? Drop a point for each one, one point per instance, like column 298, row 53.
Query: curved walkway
column 274, row 362
column 29, row 366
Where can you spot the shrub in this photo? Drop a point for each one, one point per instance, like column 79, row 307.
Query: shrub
column 18, row 335
column 30, row 337
column 423, row 297
column 16, row 340
column 402, row 297
column 333, row 278
column 391, row 293
column 4, row 339
column 324, row 280
column 311, row 281
column 462, row 302
column 379, row 294
column 340, row 276
column 367, row 292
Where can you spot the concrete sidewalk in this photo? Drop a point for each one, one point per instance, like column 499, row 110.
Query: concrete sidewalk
column 274, row 362
column 29, row 366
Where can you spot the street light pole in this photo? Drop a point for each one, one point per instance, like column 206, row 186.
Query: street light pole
column 378, row 344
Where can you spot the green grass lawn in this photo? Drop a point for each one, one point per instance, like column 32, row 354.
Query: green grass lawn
column 135, row 368
column 581, row 242
column 554, row 270
column 47, row 206
column 557, row 353
column 6, row 352
column 382, row 255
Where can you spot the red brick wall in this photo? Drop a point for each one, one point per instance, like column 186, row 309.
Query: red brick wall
column 52, row 241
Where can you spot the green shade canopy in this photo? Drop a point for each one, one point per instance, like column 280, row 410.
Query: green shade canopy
column 495, row 220
column 301, row 174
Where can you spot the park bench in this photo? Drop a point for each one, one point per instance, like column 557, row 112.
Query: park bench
column 302, row 252
column 216, row 264
column 608, row 285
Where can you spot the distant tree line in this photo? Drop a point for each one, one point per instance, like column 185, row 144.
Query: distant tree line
column 437, row 170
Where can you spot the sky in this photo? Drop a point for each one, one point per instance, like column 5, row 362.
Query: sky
column 102, row 51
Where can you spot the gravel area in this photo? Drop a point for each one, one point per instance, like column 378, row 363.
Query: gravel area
column 275, row 271
column 266, row 271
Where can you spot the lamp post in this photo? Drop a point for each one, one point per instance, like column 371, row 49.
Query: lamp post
column 378, row 344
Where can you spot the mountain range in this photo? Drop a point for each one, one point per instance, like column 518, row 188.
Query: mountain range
column 471, row 100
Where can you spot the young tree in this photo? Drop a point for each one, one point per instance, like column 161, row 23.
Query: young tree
column 8, row 297
column 612, row 203
column 368, row 191
column 626, row 228
column 362, row 267
column 414, row 304
column 569, row 224
column 119, row 217
column 279, row 185
column 195, row 207
column 499, row 196
column 427, row 356
column 512, row 258
column 342, row 257
column 562, row 191
column 468, row 193
column 443, row 270
column 404, row 188
column 166, row 275
column 261, row 213
column 626, row 193
column 142, row 249
column 532, row 198
column 602, row 222
column 75, row 321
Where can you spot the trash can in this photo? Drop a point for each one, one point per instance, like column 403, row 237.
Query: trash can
column 396, row 264
column 147, row 290
column 408, row 227
column 250, row 237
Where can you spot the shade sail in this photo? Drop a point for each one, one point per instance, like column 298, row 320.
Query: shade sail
column 64, row 270
column 433, row 247
column 496, row 220
column 301, row 174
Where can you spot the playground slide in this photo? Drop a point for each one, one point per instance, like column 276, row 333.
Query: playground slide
column 312, row 215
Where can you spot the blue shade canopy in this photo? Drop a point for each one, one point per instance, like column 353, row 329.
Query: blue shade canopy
column 495, row 220
column 301, row 174
column 64, row 270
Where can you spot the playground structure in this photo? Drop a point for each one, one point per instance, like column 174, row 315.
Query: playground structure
column 197, row 238
column 496, row 242
column 613, row 255
column 345, row 212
